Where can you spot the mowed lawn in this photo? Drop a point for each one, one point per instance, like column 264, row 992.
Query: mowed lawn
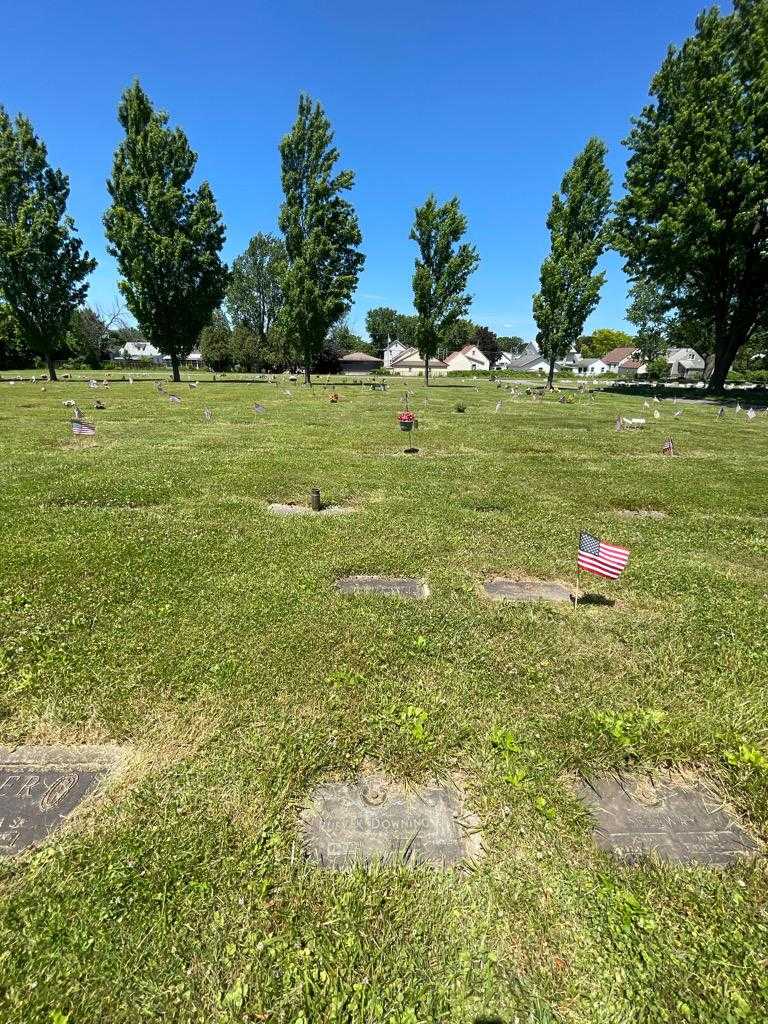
column 149, row 598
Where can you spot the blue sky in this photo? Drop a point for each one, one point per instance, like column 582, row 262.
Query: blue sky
column 487, row 100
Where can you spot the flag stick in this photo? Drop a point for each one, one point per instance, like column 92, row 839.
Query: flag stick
column 578, row 580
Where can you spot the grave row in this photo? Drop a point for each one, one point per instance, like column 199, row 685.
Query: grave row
column 375, row 819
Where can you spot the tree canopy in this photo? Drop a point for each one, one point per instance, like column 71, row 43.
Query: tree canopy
column 381, row 322
column 320, row 229
column 254, row 291
column 694, row 220
column 166, row 237
column 441, row 276
column 569, row 286
column 43, row 267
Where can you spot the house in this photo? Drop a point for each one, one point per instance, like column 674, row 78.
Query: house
column 530, row 360
column 135, row 351
column 410, row 364
column 590, row 367
column 392, row 351
column 468, row 358
column 685, row 363
column 635, row 366
column 359, row 362
column 617, row 357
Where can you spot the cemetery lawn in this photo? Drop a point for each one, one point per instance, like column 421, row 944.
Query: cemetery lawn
column 148, row 598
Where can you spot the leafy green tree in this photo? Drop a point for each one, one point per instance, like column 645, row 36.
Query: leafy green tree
column 694, row 219
column 254, row 292
column 657, row 368
column 244, row 348
column 320, row 229
column 43, row 266
column 381, row 324
column 648, row 311
column 443, row 269
column 406, row 330
column 570, row 288
column 166, row 237
column 488, row 343
column 13, row 352
column 458, row 334
column 604, row 339
column 215, row 342
column 346, row 340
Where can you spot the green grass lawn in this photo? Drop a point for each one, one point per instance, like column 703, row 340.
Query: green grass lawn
column 148, row 598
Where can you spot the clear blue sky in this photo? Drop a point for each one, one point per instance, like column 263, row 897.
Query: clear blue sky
column 487, row 100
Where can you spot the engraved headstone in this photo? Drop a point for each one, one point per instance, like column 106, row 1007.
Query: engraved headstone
column 402, row 586
column 41, row 786
column 680, row 820
column 525, row 590
column 378, row 820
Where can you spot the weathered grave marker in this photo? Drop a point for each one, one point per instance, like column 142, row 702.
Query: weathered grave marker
column 40, row 787
column 525, row 590
column 402, row 586
column 294, row 509
column 682, row 821
column 375, row 819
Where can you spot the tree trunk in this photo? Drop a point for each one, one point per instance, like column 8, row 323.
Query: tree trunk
column 426, row 370
column 726, row 347
column 175, row 367
column 51, row 367
column 307, row 365
column 551, row 377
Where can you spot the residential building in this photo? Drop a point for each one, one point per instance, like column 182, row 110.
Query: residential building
column 410, row 364
column 468, row 358
column 685, row 363
column 359, row 362
column 530, row 360
column 392, row 351
column 590, row 367
column 618, row 357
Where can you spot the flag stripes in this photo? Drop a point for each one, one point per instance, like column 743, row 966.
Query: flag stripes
column 601, row 559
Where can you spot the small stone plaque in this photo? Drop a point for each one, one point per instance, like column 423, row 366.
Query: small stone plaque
column 641, row 513
column 41, row 786
column 682, row 821
column 294, row 509
column 378, row 820
column 525, row 590
column 401, row 586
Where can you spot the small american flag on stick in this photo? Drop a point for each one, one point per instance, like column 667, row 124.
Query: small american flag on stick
column 83, row 428
column 668, row 448
column 599, row 558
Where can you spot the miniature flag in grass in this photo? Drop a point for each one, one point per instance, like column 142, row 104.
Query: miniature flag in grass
column 174, row 400
column 668, row 448
column 738, row 407
column 601, row 559
column 83, row 428
column 208, row 414
column 92, row 384
column 619, row 423
column 678, row 413
column 193, row 383
column 655, row 398
column 656, row 414
column 498, row 407
column 751, row 414
column 721, row 412
column 130, row 380
column 259, row 408
column 646, row 405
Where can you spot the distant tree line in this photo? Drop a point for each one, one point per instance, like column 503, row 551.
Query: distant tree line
column 692, row 227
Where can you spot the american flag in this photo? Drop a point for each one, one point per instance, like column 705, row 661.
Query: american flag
column 601, row 559
column 81, row 427
column 721, row 413
column 751, row 414
column 174, row 400
column 668, row 448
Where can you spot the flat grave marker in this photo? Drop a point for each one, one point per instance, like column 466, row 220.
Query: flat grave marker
column 682, row 821
column 389, row 585
column 40, row 787
column 374, row 819
column 641, row 513
column 526, row 590
column 294, row 509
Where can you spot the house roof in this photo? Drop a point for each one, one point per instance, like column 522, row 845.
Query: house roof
column 618, row 355
column 411, row 357
column 360, row 357
column 529, row 355
column 631, row 364
column 589, row 362
column 465, row 352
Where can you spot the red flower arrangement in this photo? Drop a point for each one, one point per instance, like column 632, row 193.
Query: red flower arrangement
column 407, row 417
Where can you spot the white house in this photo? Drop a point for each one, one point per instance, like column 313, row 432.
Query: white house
column 134, row 351
column 530, row 360
column 410, row 364
column 392, row 351
column 590, row 367
column 468, row 358
column 684, row 362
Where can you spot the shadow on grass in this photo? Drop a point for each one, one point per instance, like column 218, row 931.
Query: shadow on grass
column 597, row 600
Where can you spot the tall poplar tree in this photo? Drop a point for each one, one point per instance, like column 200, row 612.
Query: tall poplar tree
column 167, row 238
column 694, row 221
column 443, row 269
column 569, row 287
column 43, row 266
column 255, row 292
column 321, row 233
